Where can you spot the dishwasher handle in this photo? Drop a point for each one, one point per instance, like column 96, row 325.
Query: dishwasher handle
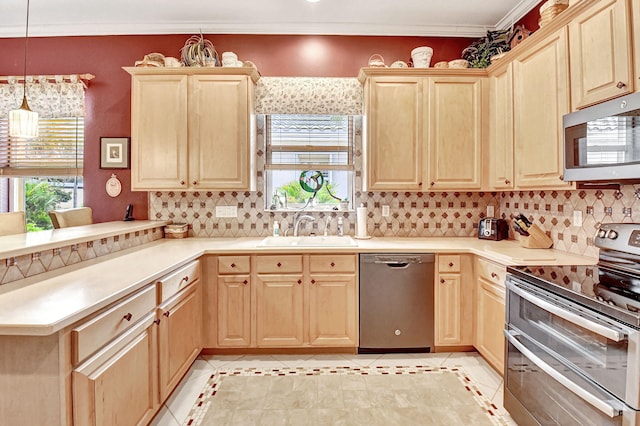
column 398, row 263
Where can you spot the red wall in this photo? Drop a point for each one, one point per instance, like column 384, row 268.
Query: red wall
column 108, row 111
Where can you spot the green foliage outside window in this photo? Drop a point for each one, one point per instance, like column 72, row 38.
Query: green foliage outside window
column 295, row 193
column 40, row 197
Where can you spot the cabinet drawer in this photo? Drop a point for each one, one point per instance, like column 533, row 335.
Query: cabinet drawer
column 449, row 263
column 278, row 264
column 332, row 263
column 176, row 281
column 234, row 264
column 492, row 272
column 94, row 334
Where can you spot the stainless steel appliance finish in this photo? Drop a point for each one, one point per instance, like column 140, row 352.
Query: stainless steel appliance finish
column 573, row 337
column 396, row 302
column 602, row 142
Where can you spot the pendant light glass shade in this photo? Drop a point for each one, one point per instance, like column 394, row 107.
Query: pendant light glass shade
column 23, row 123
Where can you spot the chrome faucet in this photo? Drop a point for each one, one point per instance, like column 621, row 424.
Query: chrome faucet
column 296, row 222
column 326, row 226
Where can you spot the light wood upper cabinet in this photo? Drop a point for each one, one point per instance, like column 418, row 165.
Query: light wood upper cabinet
column 394, row 141
column 159, row 132
column 499, row 155
column 635, row 13
column 540, row 100
column 220, row 128
column 455, row 114
column 600, row 49
column 192, row 129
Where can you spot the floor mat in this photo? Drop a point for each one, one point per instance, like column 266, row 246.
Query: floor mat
column 374, row 395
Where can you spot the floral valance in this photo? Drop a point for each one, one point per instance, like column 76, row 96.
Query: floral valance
column 308, row 95
column 62, row 97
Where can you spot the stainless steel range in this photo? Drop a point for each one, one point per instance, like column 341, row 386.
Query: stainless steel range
column 573, row 337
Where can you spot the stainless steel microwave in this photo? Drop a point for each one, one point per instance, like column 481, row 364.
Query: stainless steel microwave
column 602, row 142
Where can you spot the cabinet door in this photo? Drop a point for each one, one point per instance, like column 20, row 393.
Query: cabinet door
column 332, row 310
column 279, row 313
column 118, row 386
column 159, row 132
column 455, row 132
column 448, row 310
column 600, row 53
column 234, row 310
column 490, row 324
column 541, row 98
column 499, row 156
column 394, row 137
column 220, row 132
column 180, row 336
column 635, row 13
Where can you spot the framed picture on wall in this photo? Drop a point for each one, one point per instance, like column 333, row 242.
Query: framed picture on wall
column 114, row 153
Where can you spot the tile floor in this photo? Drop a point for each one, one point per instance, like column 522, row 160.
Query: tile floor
column 178, row 405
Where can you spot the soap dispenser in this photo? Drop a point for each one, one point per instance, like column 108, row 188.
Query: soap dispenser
column 276, row 228
column 340, row 227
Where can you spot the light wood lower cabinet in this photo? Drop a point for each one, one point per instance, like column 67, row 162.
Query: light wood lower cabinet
column 179, row 336
column 332, row 313
column 454, row 301
column 292, row 300
column 279, row 310
column 490, row 324
column 118, row 385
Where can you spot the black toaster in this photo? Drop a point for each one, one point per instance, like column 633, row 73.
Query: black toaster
column 492, row 228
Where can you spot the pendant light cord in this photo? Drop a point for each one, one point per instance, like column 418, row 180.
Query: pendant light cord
column 26, row 41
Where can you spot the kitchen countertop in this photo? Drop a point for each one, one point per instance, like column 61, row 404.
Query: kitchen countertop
column 55, row 302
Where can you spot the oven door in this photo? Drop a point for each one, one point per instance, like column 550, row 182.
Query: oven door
column 554, row 394
column 580, row 338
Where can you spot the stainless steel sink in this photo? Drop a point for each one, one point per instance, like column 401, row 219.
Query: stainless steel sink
column 307, row 241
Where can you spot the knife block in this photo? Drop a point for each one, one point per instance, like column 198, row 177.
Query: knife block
column 536, row 239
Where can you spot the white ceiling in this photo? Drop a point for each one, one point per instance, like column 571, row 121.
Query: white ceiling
column 463, row 18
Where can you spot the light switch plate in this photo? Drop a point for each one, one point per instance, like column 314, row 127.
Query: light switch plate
column 385, row 211
column 226, row 211
column 490, row 211
column 577, row 218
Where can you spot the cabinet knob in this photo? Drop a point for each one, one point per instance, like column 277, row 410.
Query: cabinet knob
column 245, row 282
column 507, row 181
column 450, row 264
column 156, row 322
column 332, row 264
column 195, row 182
column 233, row 265
column 128, row 316
column 419, row 183
column 441, row 281
column 621, row 85
column 278, row 264
column 181, row 182
column 299, row 281
column 433, row 183
column 561, row 177
column 494, row 275
column 166, row 314
column 313, row 281
column 185, row 278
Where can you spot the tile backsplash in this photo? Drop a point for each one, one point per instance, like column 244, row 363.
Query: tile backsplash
column 422, row 214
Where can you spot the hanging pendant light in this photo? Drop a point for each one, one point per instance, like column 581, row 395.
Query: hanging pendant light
column 23, row 123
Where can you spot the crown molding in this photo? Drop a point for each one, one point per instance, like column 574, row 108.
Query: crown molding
column 355, row 29
column 517, row 13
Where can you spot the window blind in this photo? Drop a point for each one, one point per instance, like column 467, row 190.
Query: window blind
column 57, row 151
column 321, row 142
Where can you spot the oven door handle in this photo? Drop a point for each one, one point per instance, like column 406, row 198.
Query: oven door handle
column 608, row 331
column 591, row 399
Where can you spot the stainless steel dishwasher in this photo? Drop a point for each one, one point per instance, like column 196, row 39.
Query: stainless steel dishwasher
column 396, row 302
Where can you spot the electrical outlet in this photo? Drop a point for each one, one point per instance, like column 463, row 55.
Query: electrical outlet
column 226, row 211
column 385, row 211
column 577, row 218
column 490, row 211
